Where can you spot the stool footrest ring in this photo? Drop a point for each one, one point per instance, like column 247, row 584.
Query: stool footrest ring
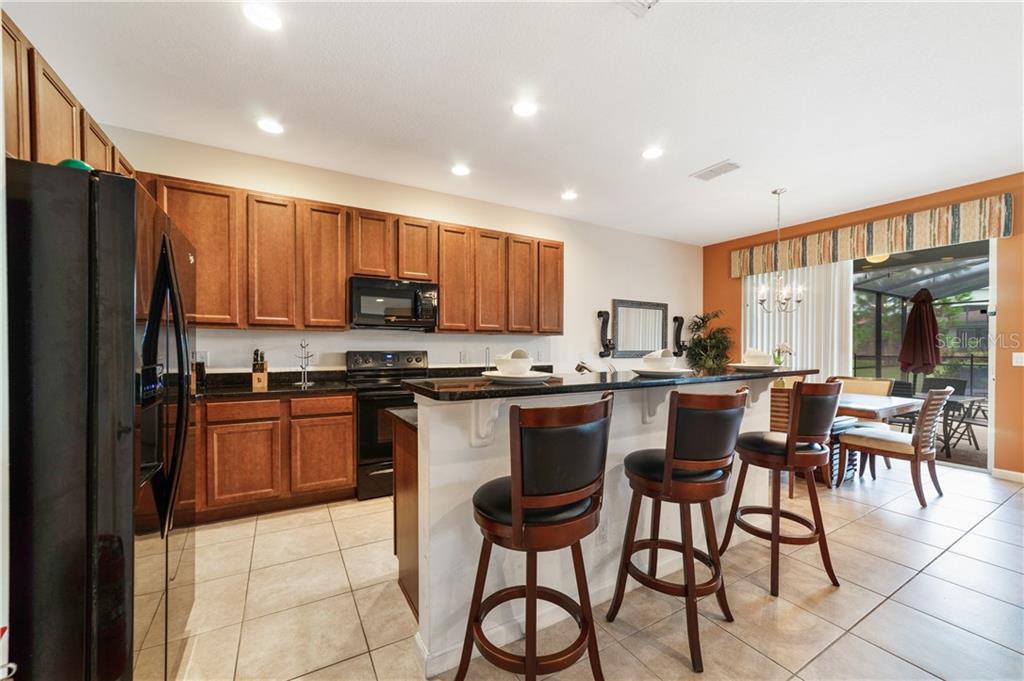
column 671, row 588
column 762, row 533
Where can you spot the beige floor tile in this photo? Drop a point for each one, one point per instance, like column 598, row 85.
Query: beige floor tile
column 852, row 659
column 829, row 502
column 663, row 648
column 288, row 545
column 351, row 508
column 951, row 510
column 287, row 585
column 936, row 646
column 370, row 564
column 294, row 517
column 850, row 564
column 985, row 616
column 978, row 485
column 144, row 608
column 784, row 632
column 227, row 530
column 998, row 529
column 198, row 608
column 811, row 589
column 479, row 670
column 205, row 657
column 873, row 492
column 617, row 664
column 151, row 544
column 1009, row 514
column 385, row 614
column 992, row 580
column 149, row 572
column 400, row 662
column 792, row 528
column 364, row 529
column 993, row 551
column 884, row 544
column 740, row 560
column 286, row 644
column 560, row 635
column 358, row 668
column 640, row 608
column 912, row 528
column 214, row 561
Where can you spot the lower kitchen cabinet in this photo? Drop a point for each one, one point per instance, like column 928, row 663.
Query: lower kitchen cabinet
column 323, row 453
column 407, row 524
column 243, row 457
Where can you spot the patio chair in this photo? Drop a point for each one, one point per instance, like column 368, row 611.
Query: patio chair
column 959, row 386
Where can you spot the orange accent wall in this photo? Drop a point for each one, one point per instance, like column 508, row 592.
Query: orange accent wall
column 723, row 292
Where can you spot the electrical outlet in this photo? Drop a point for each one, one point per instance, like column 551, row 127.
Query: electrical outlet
column 1018, row 359
column 203, row 356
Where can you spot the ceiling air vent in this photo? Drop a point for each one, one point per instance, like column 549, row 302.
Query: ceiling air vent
column 716, row 170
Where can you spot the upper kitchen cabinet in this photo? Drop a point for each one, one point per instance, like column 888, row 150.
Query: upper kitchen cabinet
column 210, row 216
column 550, row 294
column 373, row 244
column 489, row 280
column 121, row 164
column 324, row 257
column 273, row 251
column 16, row 85
column 455, row 278
column 522, row 284
column 55, row 114
column 417, row 249
column 97, row 149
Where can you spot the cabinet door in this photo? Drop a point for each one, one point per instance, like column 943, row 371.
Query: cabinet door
column 55, row 114
column 323, row 453
column 324, row 258
column 187, row 486
column 273, row 251
column 121, row 164
column 97, row 149
column 147, row 214
column 373, row 244
column 490, row 281
column 209, row 216
column 522, row 284
column 455, row 278
column 417, row 249
column 243, row 462
column 16, row 110
column 550, row 286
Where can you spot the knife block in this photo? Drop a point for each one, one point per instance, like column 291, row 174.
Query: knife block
column 259, row 381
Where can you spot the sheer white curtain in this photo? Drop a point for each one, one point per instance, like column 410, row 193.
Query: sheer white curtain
column 820, row 331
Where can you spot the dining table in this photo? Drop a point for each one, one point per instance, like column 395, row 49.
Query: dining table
column 876, row 407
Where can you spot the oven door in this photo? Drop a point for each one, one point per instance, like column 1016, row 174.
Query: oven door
column 397, row 304
column 375, row 471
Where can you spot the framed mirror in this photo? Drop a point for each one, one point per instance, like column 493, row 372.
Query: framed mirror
column 638, row 327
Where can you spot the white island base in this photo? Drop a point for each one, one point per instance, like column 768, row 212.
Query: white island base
column 463, row 444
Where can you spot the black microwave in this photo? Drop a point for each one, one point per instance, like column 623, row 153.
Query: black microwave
column 386, row 303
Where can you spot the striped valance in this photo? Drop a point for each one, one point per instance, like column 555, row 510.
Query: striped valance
column 955, row 223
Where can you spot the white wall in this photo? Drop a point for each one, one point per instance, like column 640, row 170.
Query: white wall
column 600, row 263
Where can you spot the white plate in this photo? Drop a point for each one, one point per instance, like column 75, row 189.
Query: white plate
column 662, row 373
column 528, row 377
column 739, row 366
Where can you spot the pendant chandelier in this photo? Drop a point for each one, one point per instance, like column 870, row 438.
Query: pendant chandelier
column 782, row 296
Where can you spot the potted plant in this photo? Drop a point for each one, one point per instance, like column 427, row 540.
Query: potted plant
column 707, row 351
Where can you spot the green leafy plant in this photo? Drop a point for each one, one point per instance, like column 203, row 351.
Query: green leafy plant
column 707, row 351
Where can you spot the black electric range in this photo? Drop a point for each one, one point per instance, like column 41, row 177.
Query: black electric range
column 377, row 377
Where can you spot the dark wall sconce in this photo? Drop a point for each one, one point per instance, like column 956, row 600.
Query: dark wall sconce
column 677, row 336
column 607, row 344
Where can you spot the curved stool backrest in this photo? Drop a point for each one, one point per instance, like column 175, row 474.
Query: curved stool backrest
column 813, row 411
column 702, row 432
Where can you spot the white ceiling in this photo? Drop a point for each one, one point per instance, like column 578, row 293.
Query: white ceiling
column 847, row 105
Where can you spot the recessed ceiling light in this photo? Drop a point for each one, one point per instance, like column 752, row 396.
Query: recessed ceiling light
column 270, row 125
column 877, row 259
column 569, row 195
column 263, row 15
column 524, row 108
column 651, row 153
column 460, row 169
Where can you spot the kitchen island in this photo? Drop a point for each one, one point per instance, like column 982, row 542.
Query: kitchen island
column 463, row 441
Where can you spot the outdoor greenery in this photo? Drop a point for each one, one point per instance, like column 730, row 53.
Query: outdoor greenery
column 707, row 351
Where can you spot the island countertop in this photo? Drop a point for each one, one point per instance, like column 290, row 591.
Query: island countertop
column 480, row 388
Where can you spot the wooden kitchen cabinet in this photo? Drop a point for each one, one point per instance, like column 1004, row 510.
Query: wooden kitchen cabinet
column 121, row 164
column 243, row 452
column 550, row 283
column 210, row 217
column 273, row 250
column 373, row 244
column 522, row 284
column 17, row 129
column 323, row 229
column 406, row 501
column 322, row 453
column 455, row 278
column 54, row 114
column 417, row 249
column 97, row 149
column 149, row 222
column 489, row 280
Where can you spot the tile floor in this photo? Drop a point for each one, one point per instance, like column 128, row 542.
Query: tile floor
column 926, row 593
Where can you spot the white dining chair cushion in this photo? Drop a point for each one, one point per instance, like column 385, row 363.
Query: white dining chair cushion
column 878, row 438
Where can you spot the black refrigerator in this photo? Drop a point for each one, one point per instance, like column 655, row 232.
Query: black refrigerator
column 100, row 389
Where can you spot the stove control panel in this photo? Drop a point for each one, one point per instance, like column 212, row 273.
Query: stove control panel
column 407, row 359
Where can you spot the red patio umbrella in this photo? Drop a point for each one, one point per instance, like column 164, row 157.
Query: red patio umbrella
column 920, row 351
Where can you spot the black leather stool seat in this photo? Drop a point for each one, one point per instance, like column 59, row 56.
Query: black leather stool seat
column 770, row 442
column 493, row 500
column 650, row 465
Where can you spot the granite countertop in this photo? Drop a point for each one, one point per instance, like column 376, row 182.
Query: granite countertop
column 479, row 388
column 275, row 390
column 406, row 414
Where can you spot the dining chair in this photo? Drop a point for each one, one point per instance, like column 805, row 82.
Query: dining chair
column 781, row 406
column 917, row 448
column 867, row 385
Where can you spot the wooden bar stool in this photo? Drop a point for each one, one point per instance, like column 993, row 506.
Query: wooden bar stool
column 551, row 501
column 803, row 447
column 693, row 468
